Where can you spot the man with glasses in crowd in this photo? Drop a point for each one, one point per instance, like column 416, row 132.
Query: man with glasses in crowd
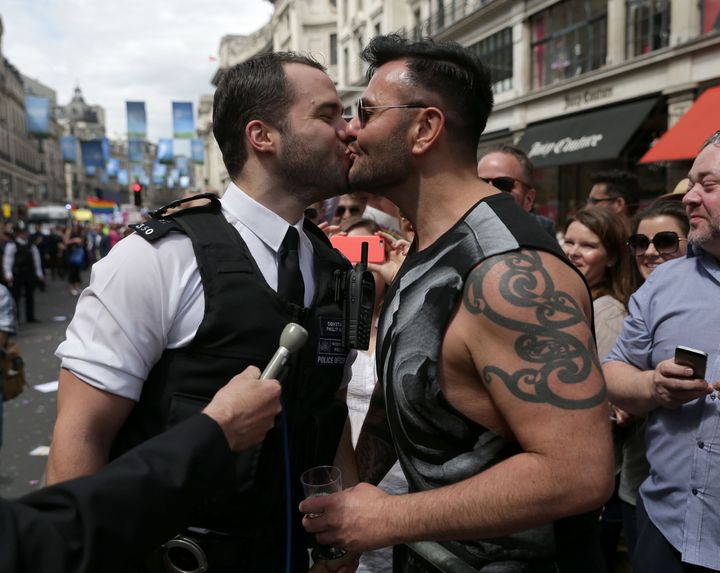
column 490, row 390
column 677, row 509
column 617, row 191
column 509, row 169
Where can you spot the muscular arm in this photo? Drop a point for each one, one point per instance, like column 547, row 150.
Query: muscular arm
column 375, row 452
column 525, row 325
column 526, row 319
column 87, row 421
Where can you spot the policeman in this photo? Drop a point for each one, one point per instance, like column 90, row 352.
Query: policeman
column 23, row 271
column 190, row 299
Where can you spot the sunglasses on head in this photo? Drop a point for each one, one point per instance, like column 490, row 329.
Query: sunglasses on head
column 362, row 114
column 665, row 243
column 353, row 210
column 504, row 184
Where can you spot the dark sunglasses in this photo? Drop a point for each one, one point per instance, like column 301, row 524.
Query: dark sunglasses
column 362, row 114
column 665, row 243
column 340, row 211
column 504, row 184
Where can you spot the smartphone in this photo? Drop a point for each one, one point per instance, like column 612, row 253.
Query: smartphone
column 696, row 359
column 351, row 247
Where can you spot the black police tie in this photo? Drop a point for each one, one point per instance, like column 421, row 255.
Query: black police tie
column 290, row 281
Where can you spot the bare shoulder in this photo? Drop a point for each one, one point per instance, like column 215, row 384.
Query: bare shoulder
column 526, row 323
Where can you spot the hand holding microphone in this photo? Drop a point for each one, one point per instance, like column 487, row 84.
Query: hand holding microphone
column 247, row 406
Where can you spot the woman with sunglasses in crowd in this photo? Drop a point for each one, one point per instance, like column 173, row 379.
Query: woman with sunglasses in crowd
column 659, row 234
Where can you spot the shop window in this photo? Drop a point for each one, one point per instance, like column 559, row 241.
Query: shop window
column 496, row 52
column 710, row 16
column 333, row 50
column 648, row 26
column 568, row 39
column 417, row 25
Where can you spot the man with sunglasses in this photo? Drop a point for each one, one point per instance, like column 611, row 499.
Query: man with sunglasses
column 617, row 191
column 678, row 519
column 490, row 393
column 509, row 169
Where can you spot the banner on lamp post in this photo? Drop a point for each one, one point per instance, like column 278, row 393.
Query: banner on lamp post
column 183, row 120
column 37, row 113
column 136, row 120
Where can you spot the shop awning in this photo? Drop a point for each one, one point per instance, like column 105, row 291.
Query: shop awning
column 683, row 140
column 590, row 136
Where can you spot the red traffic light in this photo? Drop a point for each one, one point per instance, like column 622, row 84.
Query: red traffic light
column 136, row 187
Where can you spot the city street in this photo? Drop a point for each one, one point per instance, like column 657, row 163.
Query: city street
column 29, row 418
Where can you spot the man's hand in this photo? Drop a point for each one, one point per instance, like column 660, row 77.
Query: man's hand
column 330, row 230
column 246, row 408
column 672, row 384
column 352, row 519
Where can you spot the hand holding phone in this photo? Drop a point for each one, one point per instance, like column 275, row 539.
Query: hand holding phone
column 695, row 359
column 351, row 247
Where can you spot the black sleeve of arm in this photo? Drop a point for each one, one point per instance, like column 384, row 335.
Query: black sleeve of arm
column 105, row 521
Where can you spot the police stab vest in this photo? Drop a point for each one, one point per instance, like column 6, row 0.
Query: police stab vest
column 241, row 326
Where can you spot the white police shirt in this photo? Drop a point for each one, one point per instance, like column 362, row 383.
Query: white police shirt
column 145, row 297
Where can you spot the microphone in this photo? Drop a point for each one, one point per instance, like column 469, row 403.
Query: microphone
column 292, row 339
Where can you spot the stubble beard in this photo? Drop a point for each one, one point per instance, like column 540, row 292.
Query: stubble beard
column 385, row 168
column 313, row 176
column 708, row 231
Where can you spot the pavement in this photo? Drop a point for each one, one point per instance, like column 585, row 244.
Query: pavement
column 29, row 418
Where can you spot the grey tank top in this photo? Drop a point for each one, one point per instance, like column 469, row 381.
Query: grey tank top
column 436, row 444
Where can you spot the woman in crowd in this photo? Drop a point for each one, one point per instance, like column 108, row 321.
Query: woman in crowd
column 659, row 234
column 362, row 383
column 75, row 256
column 595, row 242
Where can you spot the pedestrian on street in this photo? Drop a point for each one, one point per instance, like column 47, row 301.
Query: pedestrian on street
column 22, row 270
column 8, row 326
column 75, row 256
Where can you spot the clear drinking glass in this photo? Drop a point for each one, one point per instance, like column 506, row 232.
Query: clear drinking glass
column 317, row 481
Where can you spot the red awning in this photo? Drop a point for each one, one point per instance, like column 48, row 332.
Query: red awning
column 683, row 140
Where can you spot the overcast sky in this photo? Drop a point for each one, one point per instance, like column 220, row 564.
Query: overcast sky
column 158, row 51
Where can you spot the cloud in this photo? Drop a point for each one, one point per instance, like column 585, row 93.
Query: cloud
column 147, row 50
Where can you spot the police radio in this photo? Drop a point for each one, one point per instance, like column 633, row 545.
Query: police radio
column 355, row 291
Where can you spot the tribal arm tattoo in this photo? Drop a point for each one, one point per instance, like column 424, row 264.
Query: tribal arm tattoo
column 554, row 363
column 375, row 452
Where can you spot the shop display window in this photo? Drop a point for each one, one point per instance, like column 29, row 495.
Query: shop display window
column 647, row 26
column 710, row 16
column 496, row 52
column 568, row 39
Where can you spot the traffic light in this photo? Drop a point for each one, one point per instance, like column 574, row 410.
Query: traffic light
column 137, row 193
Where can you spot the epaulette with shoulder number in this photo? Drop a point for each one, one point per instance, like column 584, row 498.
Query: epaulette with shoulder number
column 163, row 223
column 155, row 229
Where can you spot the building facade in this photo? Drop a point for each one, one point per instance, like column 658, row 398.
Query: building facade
column 581, row 85
column 27, row 163
column 586, row 85
column 85, row 122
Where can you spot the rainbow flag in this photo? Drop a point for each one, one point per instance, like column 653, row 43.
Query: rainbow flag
column 99, row 206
